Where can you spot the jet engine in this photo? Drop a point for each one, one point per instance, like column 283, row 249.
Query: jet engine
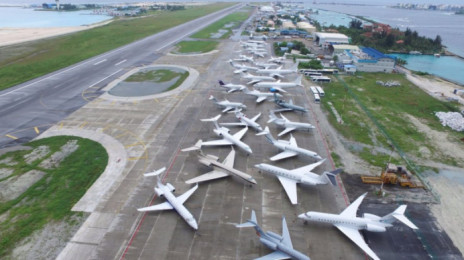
column 375, row 228
column 171, row 188
column 268, row 243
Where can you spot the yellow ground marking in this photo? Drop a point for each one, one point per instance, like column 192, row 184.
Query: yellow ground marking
column 61, row 125
column 134, row 102
column 121, row 135
column 36, row 130
column 113, row 103
column 83, row 124
column 12, row 137
column 135, row 144
column 104, row 128
column 156, row 100
column 137, row 158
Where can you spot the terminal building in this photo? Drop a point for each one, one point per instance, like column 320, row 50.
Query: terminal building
column 371, row 60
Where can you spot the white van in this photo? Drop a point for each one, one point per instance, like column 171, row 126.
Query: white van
column 317, row 99
column 314, row 89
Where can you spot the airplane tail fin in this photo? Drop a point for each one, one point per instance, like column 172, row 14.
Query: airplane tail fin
column 221, row 83
column 197, row 146
column 211, row 97
column 253, row 222
column 398, row 214
column 332, row 176
column 272, row 117
column 268, row 135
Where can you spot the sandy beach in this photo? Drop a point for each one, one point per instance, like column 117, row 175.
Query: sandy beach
column 9, row 36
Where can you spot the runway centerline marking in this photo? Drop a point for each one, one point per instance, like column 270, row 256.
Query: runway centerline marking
column 36, row 130
column 119, row 63
column 98, row 62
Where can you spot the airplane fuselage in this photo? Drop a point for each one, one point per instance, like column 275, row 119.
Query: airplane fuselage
column 275, row 71
column 355, row 223
column 233, row 171
column 250, row 123
column 254, row 77
column 296, row 125
column 231, row 104
column 272, row 241
column 179, row 207
column 287, row 147
column 276, row 84
column 233, row 140
column 298, row 177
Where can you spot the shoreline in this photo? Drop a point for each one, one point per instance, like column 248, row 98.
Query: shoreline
column 17, row 35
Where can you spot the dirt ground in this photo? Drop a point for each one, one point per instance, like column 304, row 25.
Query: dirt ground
column 449, row 212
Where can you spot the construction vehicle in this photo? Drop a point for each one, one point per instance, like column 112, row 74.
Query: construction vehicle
column 393, row 174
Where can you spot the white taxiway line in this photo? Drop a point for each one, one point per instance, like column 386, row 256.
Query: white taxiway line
column 119, row 63
column 99, row 62
column 103, row 79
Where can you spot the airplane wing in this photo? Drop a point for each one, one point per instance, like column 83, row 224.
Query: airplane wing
column 256, row 117
column 163, row 206
column 292, row 141
column 229, row 160
column 287, row 130
column 285, row 234
column 217, row 142
column 253, row 82
column 351, row 210
column 283, row 155
column 260, row 99
column 234, row 124
column 228, row 108
column 231, row 90
column 240, row 133
column 308, row 168
column 290, row 188
column 212, row 175
column 182, row 198
column 239, row 71
column 274, row 256
column 356, row 237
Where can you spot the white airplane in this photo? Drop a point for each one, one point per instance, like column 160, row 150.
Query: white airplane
column 349, row 224
column 220, row 170
column 289, row 148
column 279, row 85
column 245, row 121
column 287, row 124
column 244, row 58
column 279, row 72
column 241, row 68
column 231, row 87
column 255, row 78
column 280, row 244
column 173, row 202
column 265, row 65
column 226, row 104
column 259, row 53
column 260, row 96
column 289, row 178
column 278, row 60
column 227, row 138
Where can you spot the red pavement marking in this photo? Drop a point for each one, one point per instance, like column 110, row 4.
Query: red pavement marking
column 145, row 214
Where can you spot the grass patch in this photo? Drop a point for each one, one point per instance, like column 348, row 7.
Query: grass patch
column 389, row 107
column 52, row 197
column 226, row 23
column 45, row 56
column 196, row 46
column 336, row 159
column 159, row 76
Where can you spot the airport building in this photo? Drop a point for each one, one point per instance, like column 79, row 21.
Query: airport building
column 341, row 48
column 372, row 60
column 327, row 39
column 306, row 26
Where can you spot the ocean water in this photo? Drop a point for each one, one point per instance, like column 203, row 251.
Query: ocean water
column 450, row 27
column 27, row 18
column 447, row 67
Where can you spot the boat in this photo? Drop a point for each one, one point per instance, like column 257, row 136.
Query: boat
column 415, row 53
column 437, row 55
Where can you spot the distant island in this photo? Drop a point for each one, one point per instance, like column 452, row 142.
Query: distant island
column 458, row 9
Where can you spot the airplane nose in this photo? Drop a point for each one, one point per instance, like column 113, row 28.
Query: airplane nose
column 302, row 216
column 193, row 224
